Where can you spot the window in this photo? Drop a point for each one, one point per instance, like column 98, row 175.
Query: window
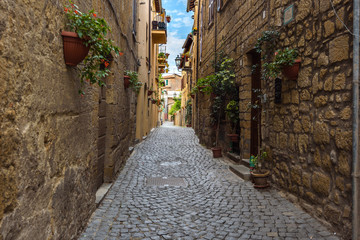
column 219, row 5
column 211, row 12
column 166, row 82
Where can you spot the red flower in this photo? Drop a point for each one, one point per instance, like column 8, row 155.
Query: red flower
column 121, row 53
column 76, row 12
column 106, row 64
column 66, row 10
column 94, row 14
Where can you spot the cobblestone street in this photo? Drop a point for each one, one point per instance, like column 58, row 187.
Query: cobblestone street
column 172, row 188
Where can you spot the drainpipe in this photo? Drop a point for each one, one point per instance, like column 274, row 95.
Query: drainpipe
column 355, row 135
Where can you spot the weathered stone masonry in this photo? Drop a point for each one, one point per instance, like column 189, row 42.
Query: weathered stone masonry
column 49, row 136
column 308, row 135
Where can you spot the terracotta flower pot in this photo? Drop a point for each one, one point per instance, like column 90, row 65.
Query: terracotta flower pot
column 291, row 72
column 233, row 137
column 216, row 152
column 74, row 48
column 260, row 179
column 126, row 81
column 168, row 19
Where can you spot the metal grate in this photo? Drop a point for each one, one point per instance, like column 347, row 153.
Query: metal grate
column 170, row 164
column 166, row 181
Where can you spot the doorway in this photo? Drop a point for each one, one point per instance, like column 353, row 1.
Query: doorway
column 255, row 112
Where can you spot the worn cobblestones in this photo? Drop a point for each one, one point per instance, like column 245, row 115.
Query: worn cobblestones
column 215, row 204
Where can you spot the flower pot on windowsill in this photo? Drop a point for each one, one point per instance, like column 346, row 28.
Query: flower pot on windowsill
column 126, row 81
column 216, row 152
column 233, row 137
column 75, row 49
column 291, row 72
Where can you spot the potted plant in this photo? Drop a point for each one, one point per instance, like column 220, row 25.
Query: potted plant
column 222, row 84
column 150, row 91
column 258, row 174
column 91, row 31
column 194, row 31
column 134, row 82
column 168, row 18
column 188, row 113
column 232, row 113
column 288, row 60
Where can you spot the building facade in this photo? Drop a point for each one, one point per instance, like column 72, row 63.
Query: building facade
column 57, row 146
column 306, row 123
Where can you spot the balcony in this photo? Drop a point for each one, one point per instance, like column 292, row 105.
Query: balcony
column 159, row 29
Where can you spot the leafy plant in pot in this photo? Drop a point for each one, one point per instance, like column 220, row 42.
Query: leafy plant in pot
column 134, row 82
column 91, row 32
column 288, row 61
column 232, row 113
column 188, row 114
column 222, row 85
column 258, row 174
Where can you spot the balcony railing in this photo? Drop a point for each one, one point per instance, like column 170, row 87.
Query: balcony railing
column 159, row 23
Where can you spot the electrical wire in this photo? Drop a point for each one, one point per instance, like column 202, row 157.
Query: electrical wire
column 338, row 17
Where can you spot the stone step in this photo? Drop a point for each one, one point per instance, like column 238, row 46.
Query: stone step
column 233, row 156
column 101, row 193
column 245, row 162
column 236, row 158
column 241, row 171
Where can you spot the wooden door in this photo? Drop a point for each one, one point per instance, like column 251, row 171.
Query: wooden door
column 255, row 112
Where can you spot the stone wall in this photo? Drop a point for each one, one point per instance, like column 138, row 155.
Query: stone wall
column 49, row 135
column 308, row 135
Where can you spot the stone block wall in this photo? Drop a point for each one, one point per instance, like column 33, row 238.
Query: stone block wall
column 49, row 135
column 308, row 135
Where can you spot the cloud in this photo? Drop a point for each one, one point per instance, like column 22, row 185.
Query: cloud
column 174, row 47
column 182, row 22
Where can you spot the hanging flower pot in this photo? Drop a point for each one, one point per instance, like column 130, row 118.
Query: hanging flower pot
column 168, row 18
column 291, row 72
column 150, row 92
column 192, row 95
column 233, row 137
column 126, row 81
column 216, row 152
column 74, row 48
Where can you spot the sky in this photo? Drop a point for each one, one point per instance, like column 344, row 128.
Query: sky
column 179, row 27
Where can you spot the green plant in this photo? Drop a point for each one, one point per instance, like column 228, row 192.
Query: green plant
column 258, row 160
column 161, row 55
column 135, row 84
column 176, row 106
column 232, row 112
column 188, row 114
column 93, row 30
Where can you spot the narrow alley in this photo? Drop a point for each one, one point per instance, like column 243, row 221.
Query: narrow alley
column 171, row 188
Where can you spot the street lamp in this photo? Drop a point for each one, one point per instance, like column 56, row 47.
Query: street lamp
column 177, row 61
